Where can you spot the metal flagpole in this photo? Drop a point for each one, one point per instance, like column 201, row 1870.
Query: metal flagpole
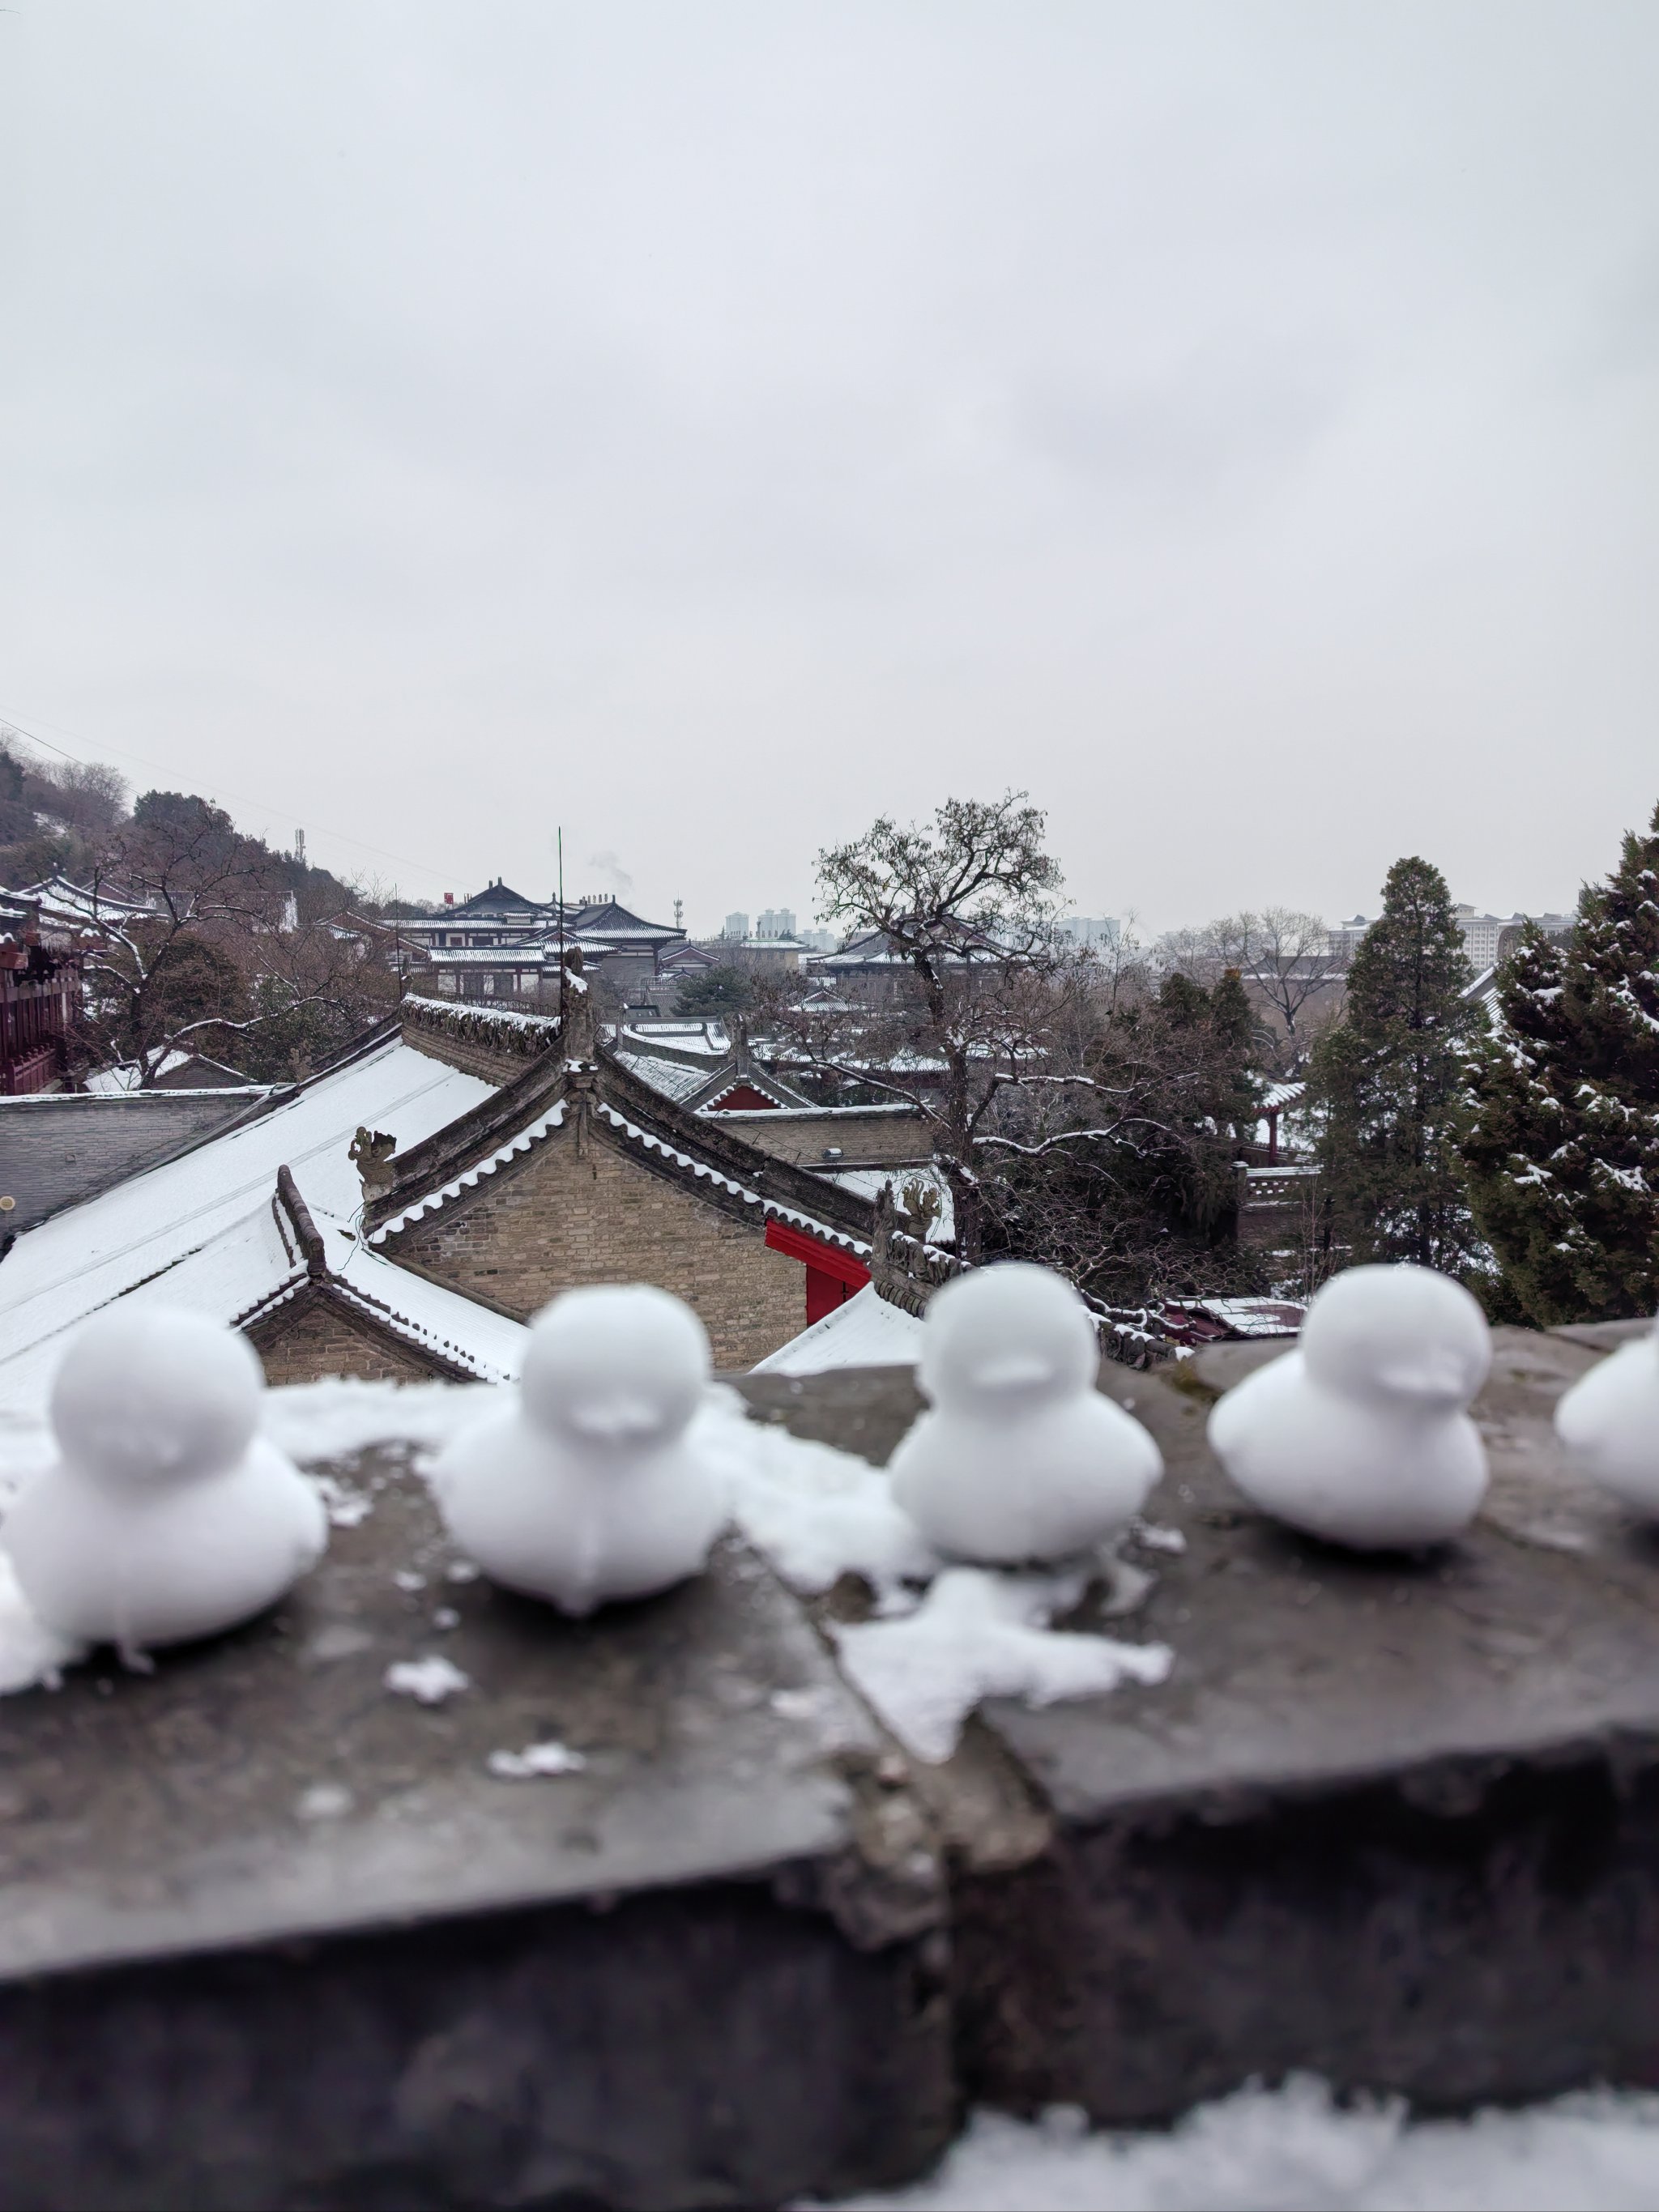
column 562, row 929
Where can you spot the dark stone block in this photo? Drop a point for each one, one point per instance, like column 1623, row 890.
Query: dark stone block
column 1394, row 1820
column 275, row 1936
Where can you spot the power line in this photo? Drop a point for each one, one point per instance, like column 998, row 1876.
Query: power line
column 402, row 860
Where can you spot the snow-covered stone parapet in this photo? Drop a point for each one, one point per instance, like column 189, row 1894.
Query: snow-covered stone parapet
column 585, row 1835
column 666, row 1858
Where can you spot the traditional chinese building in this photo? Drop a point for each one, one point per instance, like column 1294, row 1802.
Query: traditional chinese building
column 39, row 990
column 406, row 1210
column 498, row 945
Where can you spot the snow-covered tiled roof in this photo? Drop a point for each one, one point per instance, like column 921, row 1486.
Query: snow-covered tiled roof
column 521, row 952
column 669, row 1077
column 708, row 1037
column 469, row 1335
column 866, row 1332
column 195, row 1226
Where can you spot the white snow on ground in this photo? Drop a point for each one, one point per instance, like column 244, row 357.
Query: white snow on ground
column 980, row 1634
column 1294, row 2150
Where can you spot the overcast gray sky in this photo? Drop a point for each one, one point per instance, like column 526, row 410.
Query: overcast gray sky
column 710, row 425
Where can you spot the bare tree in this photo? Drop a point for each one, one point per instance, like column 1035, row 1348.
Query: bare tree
column 1283, row 954
column 1129, row 1184
column 90, row 797
column 203, row 938
column 961, row 916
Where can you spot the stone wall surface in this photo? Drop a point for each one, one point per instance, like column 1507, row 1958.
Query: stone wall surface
column 557, row 1216
column 275, row 1937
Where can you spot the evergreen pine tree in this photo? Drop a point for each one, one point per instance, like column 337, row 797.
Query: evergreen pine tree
column 1562, row 1142
column 1386, row 1086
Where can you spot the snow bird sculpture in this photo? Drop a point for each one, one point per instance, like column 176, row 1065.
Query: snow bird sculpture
column 165, row 1517
column 1019, row 1457
column 587, row 1487
column 1360, row 1436
column 1609, row 1423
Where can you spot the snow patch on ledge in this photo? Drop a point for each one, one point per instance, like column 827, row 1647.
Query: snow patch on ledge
column 315, row 1423
column 1291, row 2148
column 977, row 1634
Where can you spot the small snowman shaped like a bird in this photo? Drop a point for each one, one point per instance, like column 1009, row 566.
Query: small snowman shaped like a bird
column 1361, row 1436
column 1609, row 1423
column 1019, row 1457
column 165, row 1517
column 587, row 1487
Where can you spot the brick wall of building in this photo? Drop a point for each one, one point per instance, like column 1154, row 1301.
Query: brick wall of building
column 549, row 1220
column 313, row 1336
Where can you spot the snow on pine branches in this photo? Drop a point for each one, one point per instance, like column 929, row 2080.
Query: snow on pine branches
column 1562, row 1145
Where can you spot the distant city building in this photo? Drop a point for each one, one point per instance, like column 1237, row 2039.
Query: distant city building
column 776, row 921
column 1487, row 938
column 737, row 925
column 819, row 941
column 1090, row 932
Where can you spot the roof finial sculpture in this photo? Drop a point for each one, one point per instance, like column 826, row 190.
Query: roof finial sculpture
column 577, row 1000
column 371, row 1155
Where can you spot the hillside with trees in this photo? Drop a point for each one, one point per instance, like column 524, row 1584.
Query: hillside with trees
column 207, row 939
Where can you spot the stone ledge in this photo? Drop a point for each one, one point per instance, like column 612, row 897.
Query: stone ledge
column 291, row 1928
column 1396, row 1821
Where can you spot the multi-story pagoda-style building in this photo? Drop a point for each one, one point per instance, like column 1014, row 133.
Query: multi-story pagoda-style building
column 498, row 945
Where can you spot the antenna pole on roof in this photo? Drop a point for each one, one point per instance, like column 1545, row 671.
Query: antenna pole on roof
column 561, row 929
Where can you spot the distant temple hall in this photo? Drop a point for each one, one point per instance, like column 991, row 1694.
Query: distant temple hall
column 501, row 945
